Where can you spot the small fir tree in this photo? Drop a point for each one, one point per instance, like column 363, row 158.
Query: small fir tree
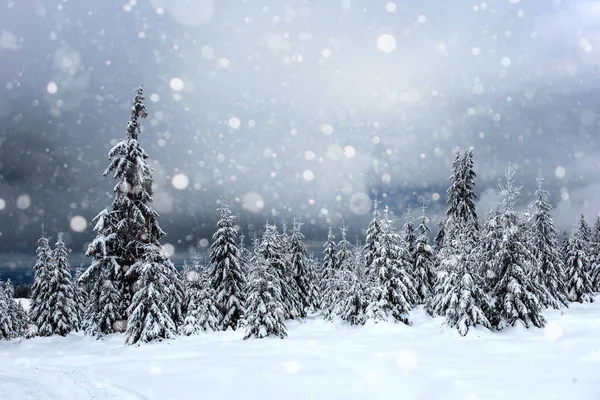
column 548, row 265
column 266, row 311
column 227, row 278
column 61, row 296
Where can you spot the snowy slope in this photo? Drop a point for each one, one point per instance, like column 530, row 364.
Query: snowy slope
column 319, row 360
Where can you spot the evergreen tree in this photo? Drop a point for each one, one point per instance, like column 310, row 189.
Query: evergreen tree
column 300, row 266
column 548, row 266
column 226, row 275
column 7, row 330
column 272, row 252
column 313, row 279
column 461, row 299
column 564, row 246
column 39, row 312
column 517, row 295
column 353, row 298
column 343, row 247
column 128, row 234
column 202, row 314
column 595, row 255
column 439, row 236
column 15, row 310
column 80, row 292
column 460, row 221
column 393, row 295
column 104, row 304
column 328, row 275
column 374, row 233
column 461, row 213
column 266, row 310
column 149, row 315
column 579, row 283
column 61, row 295
column 424, row 272
column 410, row 236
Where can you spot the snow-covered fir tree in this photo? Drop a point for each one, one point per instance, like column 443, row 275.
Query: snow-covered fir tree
column 374, row 233
column 516, row 293
column 564, row 246
column 461, row 299
column 424, row 272
column 460, row 221
column 202, row 314
column 39, row 312
column 394, row 293
column 273, row 254
column 579, row 283
column 265, row 314
column 343, row 247
column 7, row 330
column 301, row 268
column 595, row 255
column 461, row 213
column 548, row 265
column 227, row 278
column 61, row 294
column 409, row 236
column 15, row 310
column 353, row 297
column 315, row 289
column 128, row 234
column 149, row 315
column 328, row 275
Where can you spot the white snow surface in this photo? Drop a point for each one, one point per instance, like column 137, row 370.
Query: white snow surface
column 319, row 360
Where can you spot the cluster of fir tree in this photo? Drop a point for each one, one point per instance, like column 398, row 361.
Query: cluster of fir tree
column 504, row 273
column 382, row 280
column 13, row 318
column 132, row 286
column 55, row 299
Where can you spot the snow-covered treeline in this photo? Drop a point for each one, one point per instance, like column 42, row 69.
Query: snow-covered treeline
column 498, row 273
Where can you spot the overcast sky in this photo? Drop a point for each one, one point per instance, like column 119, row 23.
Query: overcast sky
column 292, row 108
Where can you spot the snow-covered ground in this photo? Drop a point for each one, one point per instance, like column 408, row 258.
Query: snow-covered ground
column 319, row 360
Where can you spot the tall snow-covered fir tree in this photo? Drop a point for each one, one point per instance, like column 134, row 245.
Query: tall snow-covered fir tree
column 394, row 293
column 424, row 272
column 460, row 221
column 328, row 274
column 201, row 312
column 301, row 268
column 273, row 254
column 461, row 213
column 516, row 293
column 579, row 283
column 39, row 312
column 548, row 265
column 61, row 293
column 227, row 278
column 149, row 315
column 127, row 248
column 266, row 310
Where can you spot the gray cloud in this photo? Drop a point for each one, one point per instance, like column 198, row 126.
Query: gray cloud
column 291, row 109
